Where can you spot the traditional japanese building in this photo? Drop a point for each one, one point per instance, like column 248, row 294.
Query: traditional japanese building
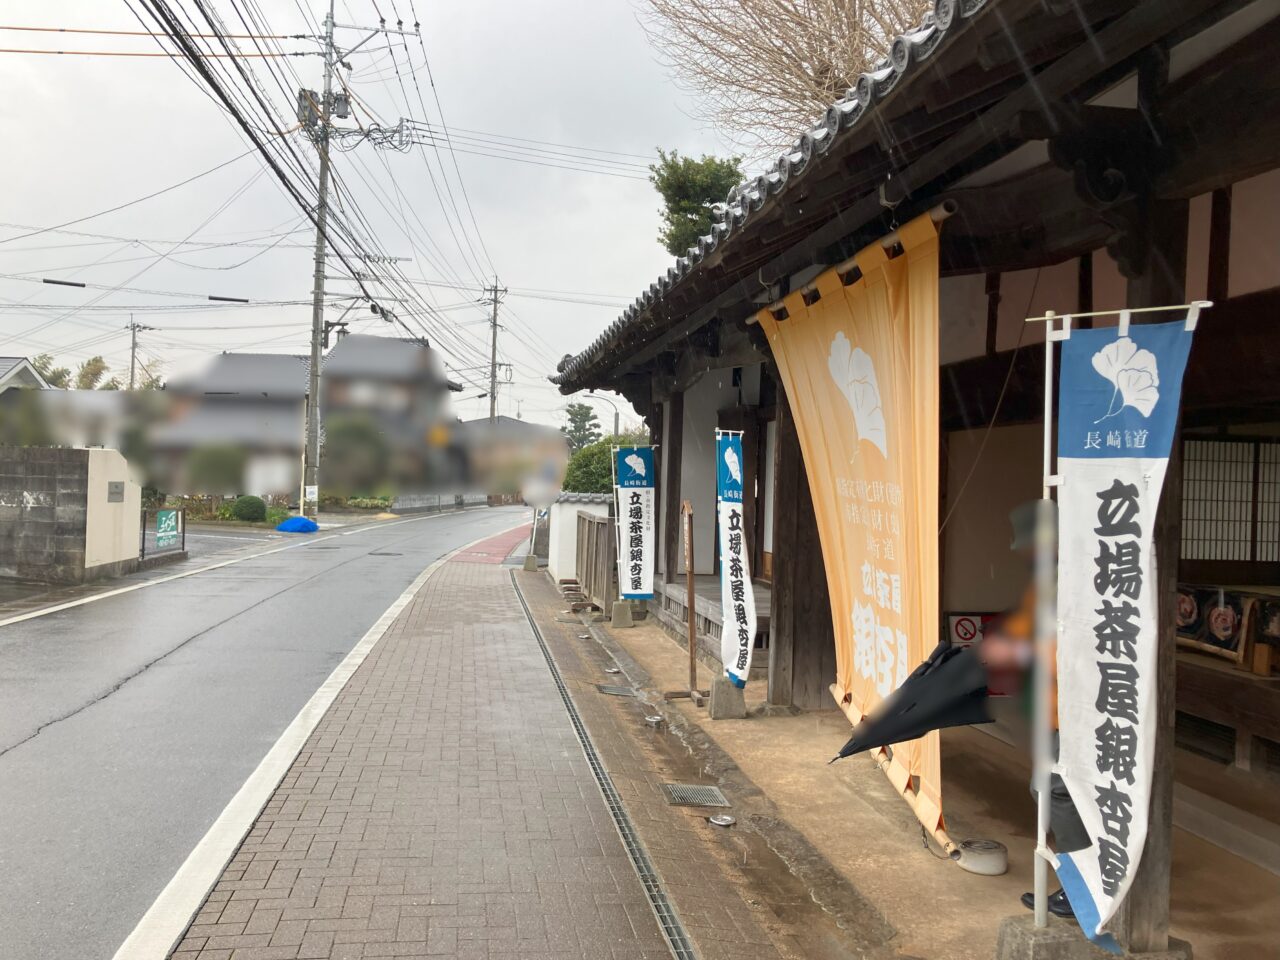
column 1078, row 156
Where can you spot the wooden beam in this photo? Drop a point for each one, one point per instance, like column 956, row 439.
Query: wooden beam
column 788, row 471
column 673, row 443
column 1221, row 118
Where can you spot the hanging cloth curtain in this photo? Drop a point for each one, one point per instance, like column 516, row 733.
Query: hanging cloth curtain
column 859, row 362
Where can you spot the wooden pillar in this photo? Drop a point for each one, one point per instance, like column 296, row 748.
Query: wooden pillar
column 1084, row 288
column 674, row 442
column 802, row 657
column 993, row 311
column 1144, row 926
column 1219, row 285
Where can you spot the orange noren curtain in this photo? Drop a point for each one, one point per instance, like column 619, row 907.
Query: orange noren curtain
column 860, row 367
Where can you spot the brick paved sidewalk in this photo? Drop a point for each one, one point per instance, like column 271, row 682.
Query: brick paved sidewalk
column 442, row 807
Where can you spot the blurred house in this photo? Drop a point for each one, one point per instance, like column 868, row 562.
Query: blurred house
column 19, row 372
column 385, row 405
column 239, row 425
column 505, row 453
column 236, row 427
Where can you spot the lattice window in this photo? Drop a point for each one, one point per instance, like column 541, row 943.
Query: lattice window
column 1231, row 500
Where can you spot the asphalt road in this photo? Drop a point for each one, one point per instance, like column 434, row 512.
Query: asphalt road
column 128, row 723
column 206, row 539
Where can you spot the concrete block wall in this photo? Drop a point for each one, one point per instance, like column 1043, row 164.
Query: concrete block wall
column 43, row 511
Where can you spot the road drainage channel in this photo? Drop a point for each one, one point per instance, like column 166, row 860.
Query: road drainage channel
column 672, row 929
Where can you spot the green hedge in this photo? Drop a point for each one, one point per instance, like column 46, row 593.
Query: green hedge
column 249, row 509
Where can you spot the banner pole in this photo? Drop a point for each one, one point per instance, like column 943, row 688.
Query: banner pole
column 617, row 517
column 1046, row 586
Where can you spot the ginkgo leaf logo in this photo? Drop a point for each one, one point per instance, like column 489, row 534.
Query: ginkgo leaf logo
column 1133, row 373
column 731, row 461
column 854, row 373
column 635, row 462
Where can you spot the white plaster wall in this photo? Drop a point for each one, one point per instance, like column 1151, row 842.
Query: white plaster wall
column 1255, row 234
column 562, row 543
column 111, row 529
column 980, row 573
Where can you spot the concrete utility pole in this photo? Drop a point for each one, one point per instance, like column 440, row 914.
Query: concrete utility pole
column 315, row 117
column 495, row 297
column 133, row 349
column 311, row 469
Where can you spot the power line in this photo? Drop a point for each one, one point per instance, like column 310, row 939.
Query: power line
column 152, row 33
column 130, row 203
column 121, row 53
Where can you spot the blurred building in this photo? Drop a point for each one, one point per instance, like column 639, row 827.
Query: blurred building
column 19, row 372
column 235, row 427
column 505, row 453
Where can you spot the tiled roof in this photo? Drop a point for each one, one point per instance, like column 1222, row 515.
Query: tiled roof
column 906, row 54
column 571, row 497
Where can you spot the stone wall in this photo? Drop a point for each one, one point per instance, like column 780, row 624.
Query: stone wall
column 46, row 495
column 43, row 508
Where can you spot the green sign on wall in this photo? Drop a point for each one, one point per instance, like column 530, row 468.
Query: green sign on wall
column 166, row 528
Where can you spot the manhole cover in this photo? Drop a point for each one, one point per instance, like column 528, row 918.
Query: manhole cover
column 694, row 795
column 615, row 691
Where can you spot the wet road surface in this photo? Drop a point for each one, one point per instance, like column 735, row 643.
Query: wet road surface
column 127, row 724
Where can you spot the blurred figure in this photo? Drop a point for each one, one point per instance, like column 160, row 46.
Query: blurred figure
column 1008, row 646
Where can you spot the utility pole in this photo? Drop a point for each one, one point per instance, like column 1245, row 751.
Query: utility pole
column 496, row 294
column 133, row 349
column 315, row 112
column 311, row 469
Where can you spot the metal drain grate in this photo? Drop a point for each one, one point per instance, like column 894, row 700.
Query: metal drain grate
column 615, row 691
column 383, row 553
column 694, row 795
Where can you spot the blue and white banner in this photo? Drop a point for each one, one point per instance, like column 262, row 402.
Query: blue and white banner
column 1118, row 412
column 737, row 599
column 634, row 488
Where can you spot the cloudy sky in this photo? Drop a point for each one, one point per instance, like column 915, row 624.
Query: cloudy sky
column 92, row 133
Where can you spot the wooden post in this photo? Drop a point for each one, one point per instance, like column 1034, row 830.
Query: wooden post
column 691, row 596
column 673, row 444
column 782, row 632
column 993, row 311
column 802, row 653
column 1084, row 288
column 1144, row 926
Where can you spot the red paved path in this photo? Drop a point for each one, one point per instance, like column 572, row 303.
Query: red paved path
column 495, row 549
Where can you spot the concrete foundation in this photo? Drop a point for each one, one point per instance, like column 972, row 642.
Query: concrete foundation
column 727, row 700
column 1062, row 940
column 620, row 614
column 530, row 563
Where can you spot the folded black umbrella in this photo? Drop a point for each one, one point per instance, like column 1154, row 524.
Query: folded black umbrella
column 948, row 690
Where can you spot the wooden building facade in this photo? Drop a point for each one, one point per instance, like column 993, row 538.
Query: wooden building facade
column 1096, row 155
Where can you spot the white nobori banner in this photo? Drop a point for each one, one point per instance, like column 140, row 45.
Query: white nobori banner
column 634, row 488
column 1118, row 414
column 737, row 599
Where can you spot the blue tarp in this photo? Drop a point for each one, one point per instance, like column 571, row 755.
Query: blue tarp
column 297, row 525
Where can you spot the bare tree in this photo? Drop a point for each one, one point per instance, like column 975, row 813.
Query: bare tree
column 764, row 70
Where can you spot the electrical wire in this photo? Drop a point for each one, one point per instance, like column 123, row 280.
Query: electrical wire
column 130, row 203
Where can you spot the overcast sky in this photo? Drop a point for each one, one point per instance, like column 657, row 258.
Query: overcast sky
column 90, row 133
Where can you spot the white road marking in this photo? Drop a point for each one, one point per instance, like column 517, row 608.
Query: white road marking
column 224, row 536
column 167, row 919
column 139, row 585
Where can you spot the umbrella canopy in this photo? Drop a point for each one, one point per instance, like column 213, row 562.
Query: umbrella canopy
column 948, row 690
